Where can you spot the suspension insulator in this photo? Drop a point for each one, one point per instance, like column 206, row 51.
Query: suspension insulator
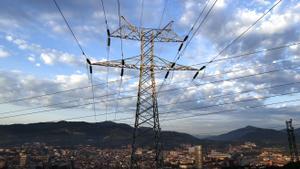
column 185, row 38
column 108, row 37
column 122, row 72
column 91, row 69
column 180, row 47
column 108, row 32
column 203, row 67
column 167, row 74
column 195, row 75
column 88, row 61
column 108, row 41
column 173, row 64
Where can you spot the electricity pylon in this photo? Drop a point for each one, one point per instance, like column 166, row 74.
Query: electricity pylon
column 147, row 63
column 292, row 141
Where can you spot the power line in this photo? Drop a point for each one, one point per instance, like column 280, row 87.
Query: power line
column 142, row 13
column 129, row 97
column 58, row 92
column 198, row 18
column 199, row 26
column 251, row 75
column 230, row 110
column 93, row 93
column 203, row 114
column 244, row 32
column 122, row 56
column 61, row 91
column 111, row 94
column 87, row 116
column 230, row 94
column 107, row 49
column 223, row 111
column 100, row 84
column 104, row 13
column 198, row 84
column 247, row 68
column 239, row 101
column 252, row 53
column 55, row 109
column 236, row 78
column 196, row 115
column 235, row 56
column 69, row 27
column 233, row 94
column 80, row 47
column 178, row 54
column 70, row 107
column 237, row 38
column 163, row 13
column 121, row 40
column 62, row 103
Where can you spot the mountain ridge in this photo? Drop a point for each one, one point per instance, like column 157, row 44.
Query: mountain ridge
column 255, row 134
column 111, row 135
column 103, row 134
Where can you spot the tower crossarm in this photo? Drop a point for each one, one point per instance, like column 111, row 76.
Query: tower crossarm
column 131, row 32
column 134, row 63
column 164, row 64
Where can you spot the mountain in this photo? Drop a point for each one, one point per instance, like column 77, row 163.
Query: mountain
column 110, row 135
column 255, row 134
column 104, row 134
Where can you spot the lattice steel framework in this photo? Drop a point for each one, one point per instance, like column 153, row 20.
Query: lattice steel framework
column 146, row 116
column 292, row 141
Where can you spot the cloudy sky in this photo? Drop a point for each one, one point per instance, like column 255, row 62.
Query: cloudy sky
column 38, row 56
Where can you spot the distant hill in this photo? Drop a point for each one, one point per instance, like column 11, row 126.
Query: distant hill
column 255, row 134
column 104, row 134
column 110, row 134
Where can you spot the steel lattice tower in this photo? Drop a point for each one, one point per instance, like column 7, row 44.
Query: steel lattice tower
column 292, row 141
column 146, row 108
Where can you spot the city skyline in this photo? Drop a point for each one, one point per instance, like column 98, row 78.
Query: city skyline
column 38, row 55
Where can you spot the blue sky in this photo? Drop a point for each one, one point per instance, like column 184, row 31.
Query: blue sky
column 39, row 55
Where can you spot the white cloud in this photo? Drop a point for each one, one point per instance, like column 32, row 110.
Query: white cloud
column 56, row 27
column 9, row 38
column 30, row 85
column 278, row 23
column 263, row 2
column 3, row 53
column 72, row 80
column 7, row 24
column 220, row 4
column 189, row 14
column 31, row 58
column 48, row 58
column 68, row 58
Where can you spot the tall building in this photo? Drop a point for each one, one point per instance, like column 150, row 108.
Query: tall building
column 198, row 157
column 3, row 164
column 23, row 160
